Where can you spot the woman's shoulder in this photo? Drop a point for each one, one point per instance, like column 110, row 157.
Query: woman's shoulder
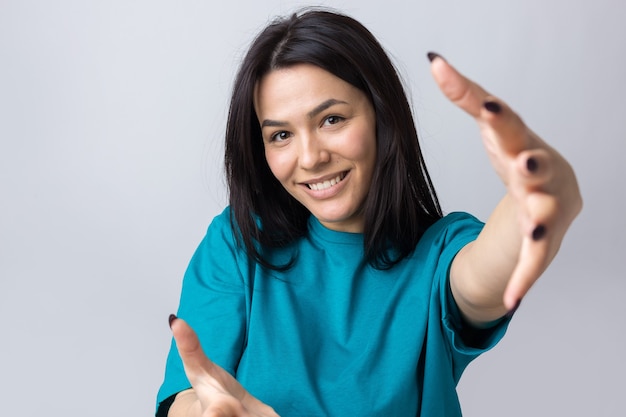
column 222, row 219
column 221, row 227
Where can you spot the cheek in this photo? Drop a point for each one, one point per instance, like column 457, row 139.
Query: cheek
column 278, row 163
column 361, row 146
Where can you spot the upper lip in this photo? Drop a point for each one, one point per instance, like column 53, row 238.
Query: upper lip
column 325, row 178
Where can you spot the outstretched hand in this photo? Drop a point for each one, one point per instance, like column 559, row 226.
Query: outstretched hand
column 215, row 392
column 540, row 182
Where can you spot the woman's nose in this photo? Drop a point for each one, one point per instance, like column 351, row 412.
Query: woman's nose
column 313, row 152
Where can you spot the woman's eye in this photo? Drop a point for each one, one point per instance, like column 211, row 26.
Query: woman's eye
column 331, row 120
column 280, row 136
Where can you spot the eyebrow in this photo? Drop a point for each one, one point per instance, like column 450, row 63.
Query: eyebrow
column 317, row 110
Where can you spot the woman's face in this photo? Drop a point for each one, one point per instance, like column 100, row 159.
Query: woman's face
column 319, row 134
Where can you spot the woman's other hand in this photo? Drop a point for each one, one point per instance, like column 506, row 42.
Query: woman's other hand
column 214, row 393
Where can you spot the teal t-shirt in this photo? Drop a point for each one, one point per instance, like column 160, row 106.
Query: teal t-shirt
column 332, row 336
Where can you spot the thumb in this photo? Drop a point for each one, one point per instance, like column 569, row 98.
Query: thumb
column 194, row 360
column 206, row 377
column 532, row 262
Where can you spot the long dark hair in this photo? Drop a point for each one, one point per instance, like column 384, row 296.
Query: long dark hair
column 402, row 203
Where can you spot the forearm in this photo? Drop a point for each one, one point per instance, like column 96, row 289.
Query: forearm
column 186, row 404
column 482, row 269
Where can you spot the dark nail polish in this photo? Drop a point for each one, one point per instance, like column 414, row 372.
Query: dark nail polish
column 539, row 232
column 433, row 55
column 171, row 319
column 493, row 106
column 514, row 309
column 532, row 165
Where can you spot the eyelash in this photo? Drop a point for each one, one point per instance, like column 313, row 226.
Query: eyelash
column 275, row 136
column 331, row 120
column 337, row 119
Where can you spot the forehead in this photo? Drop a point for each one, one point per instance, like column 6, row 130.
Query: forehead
column 301, row 86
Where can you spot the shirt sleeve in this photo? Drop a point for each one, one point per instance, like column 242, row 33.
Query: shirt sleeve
column 213, row 303
column 465, row 342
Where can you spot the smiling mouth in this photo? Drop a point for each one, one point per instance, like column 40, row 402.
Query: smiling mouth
column 318, row 186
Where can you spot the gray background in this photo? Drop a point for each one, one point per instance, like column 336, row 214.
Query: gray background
column 111, row 123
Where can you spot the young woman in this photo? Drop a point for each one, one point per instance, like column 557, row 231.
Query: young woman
column 333, row 284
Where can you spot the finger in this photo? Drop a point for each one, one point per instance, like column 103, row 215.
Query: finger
column 457, row 88
column 534, row 172
column 196, row 364
column 500, row 125
column 537, row 249
column 215, row 387
column 200, row 371
column 499, row 122
column 194, row 360
column 532, row 261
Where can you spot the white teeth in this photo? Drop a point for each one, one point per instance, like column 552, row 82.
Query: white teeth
column 326, row 184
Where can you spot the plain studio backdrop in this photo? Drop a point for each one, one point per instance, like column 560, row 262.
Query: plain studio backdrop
column 112, row 116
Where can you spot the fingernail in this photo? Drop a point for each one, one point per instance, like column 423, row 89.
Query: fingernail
column 492, row 106
column 514, row 309
column 539, row 232
column 531, row 164
column 432, row 55
column 171, row 319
